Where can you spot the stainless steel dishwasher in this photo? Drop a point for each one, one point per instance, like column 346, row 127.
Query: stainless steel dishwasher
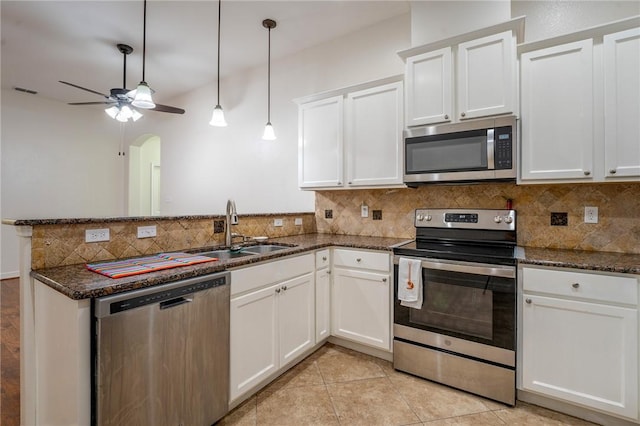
column 162, row 354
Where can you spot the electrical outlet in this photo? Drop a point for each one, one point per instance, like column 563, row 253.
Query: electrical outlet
column 364, row 211
column 146, row 231
column 297, row 221
column 590, row 215
column 96, row 235
column 277, row 222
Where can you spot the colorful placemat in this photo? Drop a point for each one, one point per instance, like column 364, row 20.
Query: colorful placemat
column 143, row 265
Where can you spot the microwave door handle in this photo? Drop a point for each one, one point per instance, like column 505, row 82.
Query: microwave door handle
column 490, row 149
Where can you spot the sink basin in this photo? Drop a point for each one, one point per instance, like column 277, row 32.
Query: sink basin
column 225, row 254
column 263, row 248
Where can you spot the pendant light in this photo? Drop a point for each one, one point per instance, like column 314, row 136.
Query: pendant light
column 217, row 119
column 143, row 92
column 269, row 134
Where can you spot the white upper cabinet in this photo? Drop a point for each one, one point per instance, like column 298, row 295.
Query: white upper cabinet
column 557, row 112
column 486, row 76
column 622, row 104
column 353, row 133
column 320, row 152
column 468, row 76
column 374, row 136
column 580, row 103
column 429, row 87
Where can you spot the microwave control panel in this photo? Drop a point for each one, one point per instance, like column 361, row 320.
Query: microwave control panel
column 503, row 148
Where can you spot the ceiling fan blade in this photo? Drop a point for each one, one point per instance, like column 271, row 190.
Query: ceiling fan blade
column 166, row 108
column 91, row 103
column 83, row 88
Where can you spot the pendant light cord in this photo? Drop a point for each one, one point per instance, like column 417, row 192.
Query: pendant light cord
column 269, row 80
column 144, row 38
column 219, row 19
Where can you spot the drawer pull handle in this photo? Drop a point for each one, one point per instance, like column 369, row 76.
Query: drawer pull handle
column 575, row 285
column 384, row 280
column 528, row 301
column 358, row 260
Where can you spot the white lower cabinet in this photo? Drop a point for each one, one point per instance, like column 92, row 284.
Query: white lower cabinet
column 272, row 323
column 580, row 339
column 323, row 295
column 361, row 297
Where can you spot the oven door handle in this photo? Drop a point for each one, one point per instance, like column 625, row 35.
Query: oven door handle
column 464, row 267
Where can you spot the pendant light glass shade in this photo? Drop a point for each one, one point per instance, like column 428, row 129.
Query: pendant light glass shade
column 123, row 113
column 143, row 97
column 217, row 119
column 269, row 134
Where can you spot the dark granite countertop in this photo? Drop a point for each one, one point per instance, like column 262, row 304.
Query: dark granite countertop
column 77, row 282
column 588, row 260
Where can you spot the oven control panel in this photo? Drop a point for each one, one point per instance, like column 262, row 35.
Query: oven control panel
column 466, row 218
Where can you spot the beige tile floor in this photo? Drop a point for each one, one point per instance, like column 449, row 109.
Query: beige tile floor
column 337, row 386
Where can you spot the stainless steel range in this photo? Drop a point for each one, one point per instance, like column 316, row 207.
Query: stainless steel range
column 462, row 330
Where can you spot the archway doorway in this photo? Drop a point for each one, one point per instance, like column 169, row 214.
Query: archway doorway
column 144, row 176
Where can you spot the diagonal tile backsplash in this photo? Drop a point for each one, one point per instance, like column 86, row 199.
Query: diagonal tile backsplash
column 618, row 205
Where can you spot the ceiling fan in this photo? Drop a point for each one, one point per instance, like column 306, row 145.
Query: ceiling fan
column 120, row 99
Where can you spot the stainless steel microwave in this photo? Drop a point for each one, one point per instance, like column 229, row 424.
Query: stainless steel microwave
column 471, row 151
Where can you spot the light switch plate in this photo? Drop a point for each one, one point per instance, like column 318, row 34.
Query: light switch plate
column 364, row 210
column 96, row 235
column 146, row 231
column 297, row 221
column 277, row 222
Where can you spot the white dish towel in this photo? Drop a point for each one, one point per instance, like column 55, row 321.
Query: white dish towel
column 410, row 282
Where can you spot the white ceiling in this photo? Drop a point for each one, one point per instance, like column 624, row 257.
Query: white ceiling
column 75, row 41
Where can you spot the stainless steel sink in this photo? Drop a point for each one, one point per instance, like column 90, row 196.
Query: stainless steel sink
column 225, row 254
column 263, row 248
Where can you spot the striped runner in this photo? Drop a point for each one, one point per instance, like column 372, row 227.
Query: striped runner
column 143, row 265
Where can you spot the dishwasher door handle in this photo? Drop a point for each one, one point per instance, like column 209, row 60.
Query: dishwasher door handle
column 174, row 302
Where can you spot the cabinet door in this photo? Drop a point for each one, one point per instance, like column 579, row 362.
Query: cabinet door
column 622, row 104
column 253, row 339
column 296, row 308
column 320, row 150
column 374, row 136
column 486, row 76
column 557, row 112
column 429, row 88
column 581, row 352
column 360, row 307
column 323, row 304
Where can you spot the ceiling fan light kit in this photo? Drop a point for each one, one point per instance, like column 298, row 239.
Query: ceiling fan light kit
column 269, row 134
column 217, row 118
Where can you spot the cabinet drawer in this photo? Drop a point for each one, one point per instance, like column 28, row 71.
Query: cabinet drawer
column 361, row 259
column 253, row 277
column 322, row 259
column 604, row 288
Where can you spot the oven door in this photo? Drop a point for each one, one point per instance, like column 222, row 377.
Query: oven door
column 466, row 302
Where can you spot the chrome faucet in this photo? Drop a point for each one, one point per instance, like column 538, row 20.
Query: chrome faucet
column 231, row 219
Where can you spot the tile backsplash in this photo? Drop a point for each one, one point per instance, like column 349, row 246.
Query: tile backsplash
column 618, row 228
column 64, row 244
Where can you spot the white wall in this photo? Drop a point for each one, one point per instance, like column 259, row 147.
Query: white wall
column 62, row 161
column 436, row 20
column 547, row 19
column 203, row 166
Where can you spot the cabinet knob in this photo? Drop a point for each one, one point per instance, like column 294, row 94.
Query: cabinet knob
column 446, row 116
column 339, row 183
column 528, row 301
column 587, row 172
column 350, row 183
column 328, row 271
column 277, row 290
column 284, row 288
column 613, row 171
column 462, row 114
column 358, row 260
column 324, row 258
column 384, row 280
column 575, row 285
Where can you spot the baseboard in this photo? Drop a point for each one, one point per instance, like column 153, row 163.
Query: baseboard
column 9, row 275
column 573, row 410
